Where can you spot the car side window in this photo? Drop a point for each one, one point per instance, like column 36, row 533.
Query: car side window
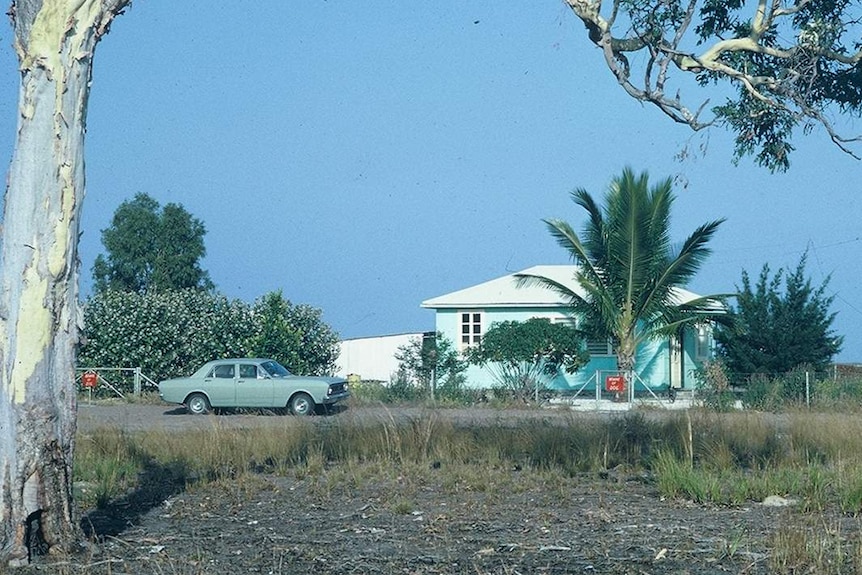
column 223, row 371
column 247, row 371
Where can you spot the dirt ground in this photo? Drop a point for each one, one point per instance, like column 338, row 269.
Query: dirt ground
column 422, row 523
column 139, row 417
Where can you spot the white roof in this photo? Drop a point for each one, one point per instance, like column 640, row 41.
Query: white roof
column 504, row 291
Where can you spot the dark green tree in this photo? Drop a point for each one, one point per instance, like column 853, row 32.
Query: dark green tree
column 773, row 67
column 524, row 356
column 628, row 267
column 293, row 335
column 151, row 248
column 779, row 323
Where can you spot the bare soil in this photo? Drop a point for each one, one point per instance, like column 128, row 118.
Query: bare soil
column 424, row 523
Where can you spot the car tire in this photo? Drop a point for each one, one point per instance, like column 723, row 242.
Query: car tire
column 302, row 404
column 197, row 404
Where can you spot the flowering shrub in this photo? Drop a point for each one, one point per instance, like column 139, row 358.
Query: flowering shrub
column 171, row 333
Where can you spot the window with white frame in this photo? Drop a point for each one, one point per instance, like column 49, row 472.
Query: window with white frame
column 471, row 328
column 567, row 321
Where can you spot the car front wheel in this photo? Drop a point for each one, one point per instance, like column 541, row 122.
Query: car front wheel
column 197, row 404
column 301, row 404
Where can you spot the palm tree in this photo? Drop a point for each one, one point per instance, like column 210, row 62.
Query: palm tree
column 628, row 268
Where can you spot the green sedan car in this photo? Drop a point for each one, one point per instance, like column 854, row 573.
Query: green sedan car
column 252, row 382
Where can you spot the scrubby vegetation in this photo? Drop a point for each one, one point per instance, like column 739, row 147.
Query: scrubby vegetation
column 705, row 457
column 699, row 459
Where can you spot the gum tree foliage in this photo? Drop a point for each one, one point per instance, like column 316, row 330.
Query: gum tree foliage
column 151, row 248
column 628, row 267
column 525, row 356
column 762, row 69
column 172, row 333
column 54, row 42
column 427, row 360
column 779, row 323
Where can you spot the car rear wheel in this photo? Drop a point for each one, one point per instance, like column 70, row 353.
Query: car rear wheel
column 197, row 404
column 301, row 404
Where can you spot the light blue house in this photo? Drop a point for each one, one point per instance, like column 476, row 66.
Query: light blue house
column 463, row 316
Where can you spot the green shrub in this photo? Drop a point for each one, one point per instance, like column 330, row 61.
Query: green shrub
column 714, row 387
column 764, row 393
column 428, row 368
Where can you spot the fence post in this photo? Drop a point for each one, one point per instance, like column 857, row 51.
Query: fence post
column 598, row 389
column 137, row 382
column 807, row 391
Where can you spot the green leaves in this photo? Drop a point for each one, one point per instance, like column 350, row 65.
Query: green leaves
column 790, row 65
column 293, row 335
column 718, row 18
column 149, row 249
column 525, row 355
column 428, row 360
column 775, row 330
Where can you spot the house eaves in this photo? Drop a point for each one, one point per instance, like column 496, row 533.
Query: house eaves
column 505, row 292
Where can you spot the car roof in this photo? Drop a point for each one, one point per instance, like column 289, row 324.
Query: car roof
column 237, row 359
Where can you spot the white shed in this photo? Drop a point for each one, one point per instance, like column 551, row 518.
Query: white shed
column 372, row 358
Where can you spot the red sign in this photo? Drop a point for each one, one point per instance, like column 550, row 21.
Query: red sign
column 90, row 379
column 615, row 383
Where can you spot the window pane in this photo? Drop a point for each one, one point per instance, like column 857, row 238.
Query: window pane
column 598, row 347
column 224, row 371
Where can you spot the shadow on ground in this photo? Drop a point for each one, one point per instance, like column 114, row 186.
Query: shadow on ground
column 157, row 484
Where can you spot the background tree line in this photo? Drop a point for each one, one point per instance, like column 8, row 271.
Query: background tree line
column 155, row 307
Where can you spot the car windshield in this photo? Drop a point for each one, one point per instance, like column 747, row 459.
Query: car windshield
column 274, row 369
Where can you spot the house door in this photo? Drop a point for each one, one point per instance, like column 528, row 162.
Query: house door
column 675, row 346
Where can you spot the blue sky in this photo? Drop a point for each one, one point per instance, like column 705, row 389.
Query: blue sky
column 365, row 156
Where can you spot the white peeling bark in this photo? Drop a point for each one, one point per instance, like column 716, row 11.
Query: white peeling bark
column 54, row 40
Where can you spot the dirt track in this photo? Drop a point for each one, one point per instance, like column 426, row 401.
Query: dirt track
column 139, row 417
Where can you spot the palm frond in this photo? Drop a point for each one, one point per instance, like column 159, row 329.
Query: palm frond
column 566, row 238
column 628, row 267
column 564, row 291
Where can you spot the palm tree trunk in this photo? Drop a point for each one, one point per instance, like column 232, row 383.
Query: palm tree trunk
column 626, row 365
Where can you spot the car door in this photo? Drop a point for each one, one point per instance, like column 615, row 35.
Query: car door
column 251, row 390
column 220, row 385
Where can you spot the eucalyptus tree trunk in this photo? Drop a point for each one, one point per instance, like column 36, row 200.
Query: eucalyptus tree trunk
column 54, row 40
